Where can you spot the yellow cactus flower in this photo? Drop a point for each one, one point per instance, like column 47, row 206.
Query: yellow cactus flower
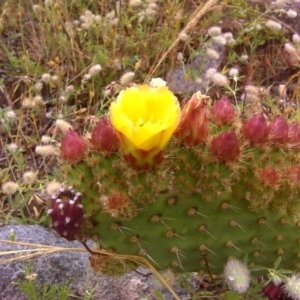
column 145, row 119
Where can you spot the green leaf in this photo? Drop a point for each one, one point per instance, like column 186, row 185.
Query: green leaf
column 159, row 295
column 277, row 263
column 231, row 296
column 285, row 271
column 256, row 268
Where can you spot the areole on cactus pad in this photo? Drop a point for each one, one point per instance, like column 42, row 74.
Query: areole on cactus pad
column 223, row 187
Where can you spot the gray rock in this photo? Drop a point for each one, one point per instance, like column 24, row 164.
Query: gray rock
column 71, row 267
column 190, row 78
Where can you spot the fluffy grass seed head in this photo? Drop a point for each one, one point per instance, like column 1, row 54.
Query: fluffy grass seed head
column 86, row 77
column 54, row 78
column 63, row 125
column 12, row 147
column 212, row 54
column 251, row 89
column 291, row 14
column 219, row 40
column 210, row 72
column 29, row 177
column 233, row 72
column 273, row 25
column 38, row 87
column 219, row 79
column 292, row 287
column 180, row 57
column 48, row 3
column 214, row 31
column 38, row 100
column 117, row 64
column 157, row 82
column 10, row 115
column 250, row 98
column 46, row 77
column 150, row 13
column 62, row 98
column 46, row 139
column 237, row 276
column 288, row 47
column 37, row 8
column 258, row 27
column 228, row 36
column 46, row 150
column 10, row 187
column 70, row 89
column 53, row 187
column 135, row 3
column 114, row 22
column 27, row 103
column 279, row 3
column 183, row 36
column 244, row 57
column 282, row 90
column 152, row 5
column 296, row 38
column 126, row 78
column 94, row 70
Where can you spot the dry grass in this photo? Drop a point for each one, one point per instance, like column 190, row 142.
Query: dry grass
column 38, row 250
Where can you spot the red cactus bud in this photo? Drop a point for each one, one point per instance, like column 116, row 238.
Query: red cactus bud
column 294, row 135
column 272, row 291
column 66, row 213
column 256, row 129
column 222, row 112
column 278, row 130
column 104, row 137
column 73, row 146
column 225, row 147
column 269, row 177
column 193, row 127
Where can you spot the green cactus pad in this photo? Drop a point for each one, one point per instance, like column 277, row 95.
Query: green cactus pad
column 193, row 209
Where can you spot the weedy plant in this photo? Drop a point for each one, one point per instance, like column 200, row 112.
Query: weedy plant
column 181, row 186
column 47, row 291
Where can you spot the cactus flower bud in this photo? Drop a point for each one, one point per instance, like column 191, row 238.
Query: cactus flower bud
column 225, row 147
column 294, row 135
column 222, row 112
column 237, row 276
column 66, row 213
column 72, row 147
column 278, row 130
column 104, row 137
column 273, row 291
column 193, row 127
column 256, row 129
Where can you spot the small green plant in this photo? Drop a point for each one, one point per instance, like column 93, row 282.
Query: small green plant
column 47, row 291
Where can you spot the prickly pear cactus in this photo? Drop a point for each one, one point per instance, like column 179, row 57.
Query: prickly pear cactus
column 183, row 188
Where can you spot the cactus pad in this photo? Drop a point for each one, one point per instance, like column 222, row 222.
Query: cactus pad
column 233, row 194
